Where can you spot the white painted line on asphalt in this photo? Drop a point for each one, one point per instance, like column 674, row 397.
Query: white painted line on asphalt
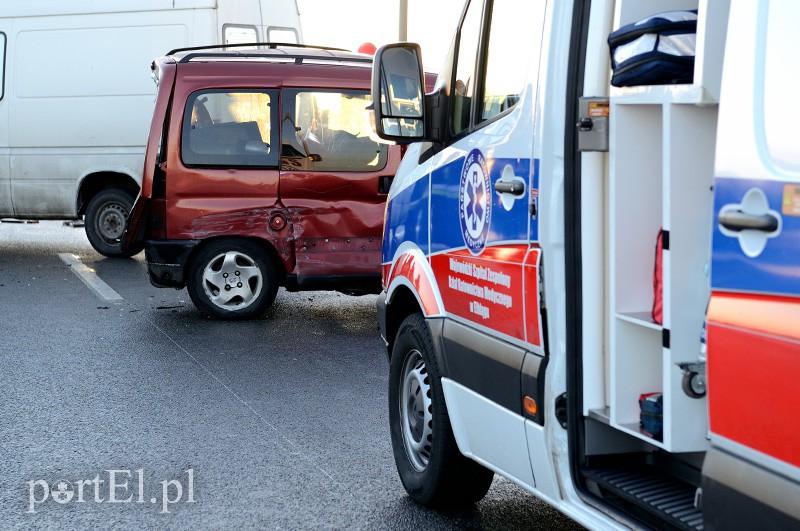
column 88, row 276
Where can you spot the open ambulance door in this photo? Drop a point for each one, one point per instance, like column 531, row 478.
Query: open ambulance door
column 751, row 474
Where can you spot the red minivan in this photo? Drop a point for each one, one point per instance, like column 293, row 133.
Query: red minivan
column 260, row 172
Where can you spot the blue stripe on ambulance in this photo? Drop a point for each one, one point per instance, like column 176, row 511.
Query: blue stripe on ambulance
column 407, row 219
column 776, row 270
column 505, row 226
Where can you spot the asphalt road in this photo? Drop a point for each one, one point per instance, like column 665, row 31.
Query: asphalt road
column 276, row 423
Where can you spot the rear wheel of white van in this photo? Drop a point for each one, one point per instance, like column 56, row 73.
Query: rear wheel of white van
column 232, row 279
column 433, row 471
column 105, row 219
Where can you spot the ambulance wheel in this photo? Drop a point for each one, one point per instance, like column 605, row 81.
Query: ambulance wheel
column 432, row 470
column 232, row 279
column 105, row 219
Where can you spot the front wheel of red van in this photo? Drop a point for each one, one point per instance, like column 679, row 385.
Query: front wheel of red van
column 232, row 279
column 433, row 471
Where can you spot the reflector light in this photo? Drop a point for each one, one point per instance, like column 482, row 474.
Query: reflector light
column 530, row 405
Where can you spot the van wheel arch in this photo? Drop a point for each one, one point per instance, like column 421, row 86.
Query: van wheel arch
column 403, row 304
column 94, row 183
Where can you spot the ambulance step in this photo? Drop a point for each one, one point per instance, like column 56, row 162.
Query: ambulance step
column 670, row 500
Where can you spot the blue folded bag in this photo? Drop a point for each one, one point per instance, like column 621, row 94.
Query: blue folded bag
column 657, row 50
column 651, row 418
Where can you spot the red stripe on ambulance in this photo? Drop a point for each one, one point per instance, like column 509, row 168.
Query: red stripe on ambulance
column 409, row 267
column 488, row 289
column 751, row 398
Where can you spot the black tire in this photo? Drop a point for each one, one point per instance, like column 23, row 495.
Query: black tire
column 232, row 279
column 106, row 216
column 431, row 468
column 694, row 385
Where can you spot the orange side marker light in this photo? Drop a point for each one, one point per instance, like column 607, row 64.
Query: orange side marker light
column 530, row 405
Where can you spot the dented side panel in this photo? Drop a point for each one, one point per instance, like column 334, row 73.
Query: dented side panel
column 337, row 237
column 337, row 220
column 332, row 222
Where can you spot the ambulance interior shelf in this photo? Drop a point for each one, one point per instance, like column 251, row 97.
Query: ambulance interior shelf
column 661, row 170
column 712, row 21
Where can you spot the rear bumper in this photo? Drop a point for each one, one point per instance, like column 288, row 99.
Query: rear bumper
column 166, row 261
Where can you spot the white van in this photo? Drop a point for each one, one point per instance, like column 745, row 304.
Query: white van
column 76, row 96
column 591, row 289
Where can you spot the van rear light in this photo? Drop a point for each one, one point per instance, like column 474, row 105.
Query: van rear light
column 157, row 226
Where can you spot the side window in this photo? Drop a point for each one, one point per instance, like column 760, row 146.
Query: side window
column 222, row 128
column 508, row 56
column 329, row 131
column 239, row 34
column 284, row 35
column 780, row 83
column 2, row 64
column 463, row 83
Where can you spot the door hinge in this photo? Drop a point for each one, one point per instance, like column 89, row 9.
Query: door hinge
column 561, row 410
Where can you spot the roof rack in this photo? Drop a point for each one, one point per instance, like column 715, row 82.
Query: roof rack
column 271, row 45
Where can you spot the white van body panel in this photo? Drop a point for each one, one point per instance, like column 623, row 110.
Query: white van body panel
column 88, row 108
column 489, row 434
column 78, row 95
column 5, row 183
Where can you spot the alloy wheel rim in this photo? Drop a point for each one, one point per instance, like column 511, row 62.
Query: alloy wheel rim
column 232, row 280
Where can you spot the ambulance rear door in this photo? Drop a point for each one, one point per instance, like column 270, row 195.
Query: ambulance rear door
column 751, row 474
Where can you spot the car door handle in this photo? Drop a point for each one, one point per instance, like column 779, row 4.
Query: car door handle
column 516, row 188
column 385, row 184
column 736, row 221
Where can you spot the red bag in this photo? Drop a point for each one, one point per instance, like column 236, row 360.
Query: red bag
column 658, row 310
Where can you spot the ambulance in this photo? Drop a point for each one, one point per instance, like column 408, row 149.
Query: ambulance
column 591, row 261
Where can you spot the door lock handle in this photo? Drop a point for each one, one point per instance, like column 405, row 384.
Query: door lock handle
column 385, row 184
column 516, row 188
column 736, row 221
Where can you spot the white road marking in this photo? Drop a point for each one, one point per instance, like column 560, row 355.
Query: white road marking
column 88, row 276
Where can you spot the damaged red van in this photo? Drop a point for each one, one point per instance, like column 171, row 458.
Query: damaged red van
column 260, row 172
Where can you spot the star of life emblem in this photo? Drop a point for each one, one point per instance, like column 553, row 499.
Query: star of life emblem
column 474, row 202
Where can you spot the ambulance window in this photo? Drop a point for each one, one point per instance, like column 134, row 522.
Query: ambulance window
column 230, row 128
column 514, row 41
column 463, row 87
column 2, row 64
column 781, row 79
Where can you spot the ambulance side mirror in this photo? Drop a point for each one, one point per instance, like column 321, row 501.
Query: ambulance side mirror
column 398, row 93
